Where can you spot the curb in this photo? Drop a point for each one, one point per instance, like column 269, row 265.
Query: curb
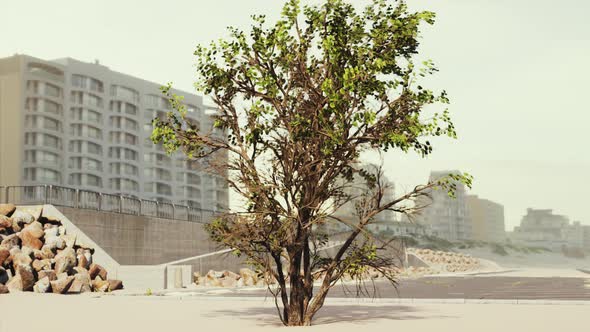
column 342, row 300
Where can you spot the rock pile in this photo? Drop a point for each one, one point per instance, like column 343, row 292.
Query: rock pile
column 36, row 254
column 447, row 261
column 245, row 277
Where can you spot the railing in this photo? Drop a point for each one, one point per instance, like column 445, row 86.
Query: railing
column 86, row 199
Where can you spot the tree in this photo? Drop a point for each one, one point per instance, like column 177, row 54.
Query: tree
column 298, row 102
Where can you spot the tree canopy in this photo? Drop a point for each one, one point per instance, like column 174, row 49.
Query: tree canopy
column 297, row 102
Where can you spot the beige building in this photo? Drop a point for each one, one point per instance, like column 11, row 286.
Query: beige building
column 444, row 215
column 76, row 124
column 542, row 228
column 487, row 219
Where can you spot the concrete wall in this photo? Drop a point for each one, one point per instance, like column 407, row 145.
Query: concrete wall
column 143, row 240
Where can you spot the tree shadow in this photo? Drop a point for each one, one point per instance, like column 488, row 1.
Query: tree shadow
column 329, row 314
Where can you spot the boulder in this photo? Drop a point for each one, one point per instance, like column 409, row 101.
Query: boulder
column 10, row 241
column 15, row 284
column 54, row 243
column 19, row 258
column 97, row 270
column 100, row 285
column 82, row 283
column 7, row 209
column 5, row 223
column 3, row 276
column 82, row 261
column 231, row 275
column 34, row 211
column 30, row 236
column 69, row 239
column 21, row 217
column 44, row 264
column 42, row 286
column 50, row 218
column 61, row 286
column 4, row 289
column 65, row 261
column 4, row 254
column 28, row 251
column 27, row 277
column 47, row 273
column 44, row 253
column 115, row 285
column 83, row 244
column 50, row 231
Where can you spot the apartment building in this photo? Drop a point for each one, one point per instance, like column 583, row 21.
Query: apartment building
column 486, row 218
column 542, row 228
column 77, row 124
column 445, row 216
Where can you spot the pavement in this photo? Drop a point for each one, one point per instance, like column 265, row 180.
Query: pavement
column 480, row 287
column 49, row 312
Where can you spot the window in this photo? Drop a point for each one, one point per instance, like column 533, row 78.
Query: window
column 84, row 98
column 125, row 93
column 123, row 108
column 83, row 130
column 40, row 139
column 40, row 122
column 53, row 90
column 122, row 153
column 157, row 101
column 123, row 184
column 193, row 179
column 84, row 82
column 33, row 87
column 44, row 157
column 83, row 163
column 122, row 138
column 123, row 169
column 84, row 114
column 42, row 175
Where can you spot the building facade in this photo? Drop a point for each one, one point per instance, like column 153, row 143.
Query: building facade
column 76, row 124
column 445, row 216
column 348, row 211
column 542, row 228
column 486, row 218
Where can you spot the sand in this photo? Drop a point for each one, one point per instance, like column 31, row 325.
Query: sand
column 48, row 312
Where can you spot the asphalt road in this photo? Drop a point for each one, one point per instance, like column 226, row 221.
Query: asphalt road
column 522, row 288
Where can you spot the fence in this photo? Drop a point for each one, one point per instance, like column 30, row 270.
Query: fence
column 85, row 199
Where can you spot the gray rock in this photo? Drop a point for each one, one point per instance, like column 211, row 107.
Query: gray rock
column 51, row 231
column 22, row 217
column 34, row 211
column 42, row 286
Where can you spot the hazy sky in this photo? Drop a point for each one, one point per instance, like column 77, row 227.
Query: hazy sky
column 517, row 73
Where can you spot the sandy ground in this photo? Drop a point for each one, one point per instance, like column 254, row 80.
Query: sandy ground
column 521, row 260
column 33, row 312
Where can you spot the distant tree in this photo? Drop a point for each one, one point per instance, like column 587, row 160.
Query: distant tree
column 298, row 101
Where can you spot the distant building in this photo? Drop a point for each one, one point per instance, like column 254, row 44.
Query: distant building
column 446, row 216
column 542, row 228
column 76, row 124
column 486, row 218
column 348, row 213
